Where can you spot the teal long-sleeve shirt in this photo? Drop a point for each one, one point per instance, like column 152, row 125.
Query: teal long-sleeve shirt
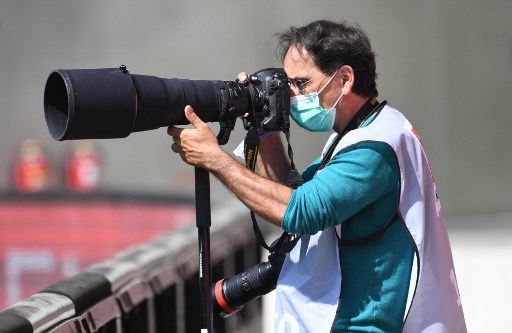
column 356, row 178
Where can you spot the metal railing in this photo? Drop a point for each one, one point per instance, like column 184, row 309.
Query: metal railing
column 150, row 288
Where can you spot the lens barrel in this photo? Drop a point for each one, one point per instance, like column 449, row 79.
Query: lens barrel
column 230, row 295
column 89, row 104
column 112, row 103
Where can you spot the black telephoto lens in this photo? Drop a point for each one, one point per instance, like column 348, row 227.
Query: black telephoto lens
column 108, row 103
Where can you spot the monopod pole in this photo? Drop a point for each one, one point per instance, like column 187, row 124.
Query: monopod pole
column 203, row 223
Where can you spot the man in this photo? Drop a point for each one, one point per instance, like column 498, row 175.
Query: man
column 374, row 255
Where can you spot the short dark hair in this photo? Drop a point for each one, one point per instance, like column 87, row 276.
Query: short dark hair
column 333, row 45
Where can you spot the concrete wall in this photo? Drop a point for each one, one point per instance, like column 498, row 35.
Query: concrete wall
column 446, row 64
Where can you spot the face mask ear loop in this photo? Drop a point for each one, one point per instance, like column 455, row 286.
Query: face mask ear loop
column 332, row 77
column 339, row 99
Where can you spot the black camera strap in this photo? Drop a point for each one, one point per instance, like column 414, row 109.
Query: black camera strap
column 286, row 241
column 369, row 108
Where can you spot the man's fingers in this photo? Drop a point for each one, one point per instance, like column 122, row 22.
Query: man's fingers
column 174, row 131
column 192, row 117
column 243, row 76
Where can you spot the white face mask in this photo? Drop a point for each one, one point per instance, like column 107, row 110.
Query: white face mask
column 308, row 114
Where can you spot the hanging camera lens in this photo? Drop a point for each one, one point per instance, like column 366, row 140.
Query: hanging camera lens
column 230, row 295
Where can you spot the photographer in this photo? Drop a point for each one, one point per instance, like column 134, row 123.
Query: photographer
column 374, row 254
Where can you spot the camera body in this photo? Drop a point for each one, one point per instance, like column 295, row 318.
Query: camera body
column 112, row 103
column 264, row 98
column 270, row 100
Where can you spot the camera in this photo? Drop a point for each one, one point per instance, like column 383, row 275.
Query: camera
column 109, row 103
column 230, row 295
column 112, row 103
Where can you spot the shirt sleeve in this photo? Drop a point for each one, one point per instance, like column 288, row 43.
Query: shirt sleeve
column 309, row 172
column 353, row 179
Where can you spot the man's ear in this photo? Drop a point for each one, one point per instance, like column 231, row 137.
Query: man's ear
column 347, row 77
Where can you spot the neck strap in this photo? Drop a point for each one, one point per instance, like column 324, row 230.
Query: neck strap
column 286, row 242
column 365, row 112
column 369, row 108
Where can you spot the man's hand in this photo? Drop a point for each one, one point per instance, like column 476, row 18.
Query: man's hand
column 197, row 146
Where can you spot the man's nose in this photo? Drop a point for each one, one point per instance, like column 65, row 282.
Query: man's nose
column 294, row 91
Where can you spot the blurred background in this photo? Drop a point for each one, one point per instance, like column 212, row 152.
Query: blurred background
column 447, row 65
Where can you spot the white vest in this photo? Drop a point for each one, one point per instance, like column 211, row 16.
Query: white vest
column 311, row 272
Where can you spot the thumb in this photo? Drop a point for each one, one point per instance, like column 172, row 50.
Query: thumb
column 192, row 117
